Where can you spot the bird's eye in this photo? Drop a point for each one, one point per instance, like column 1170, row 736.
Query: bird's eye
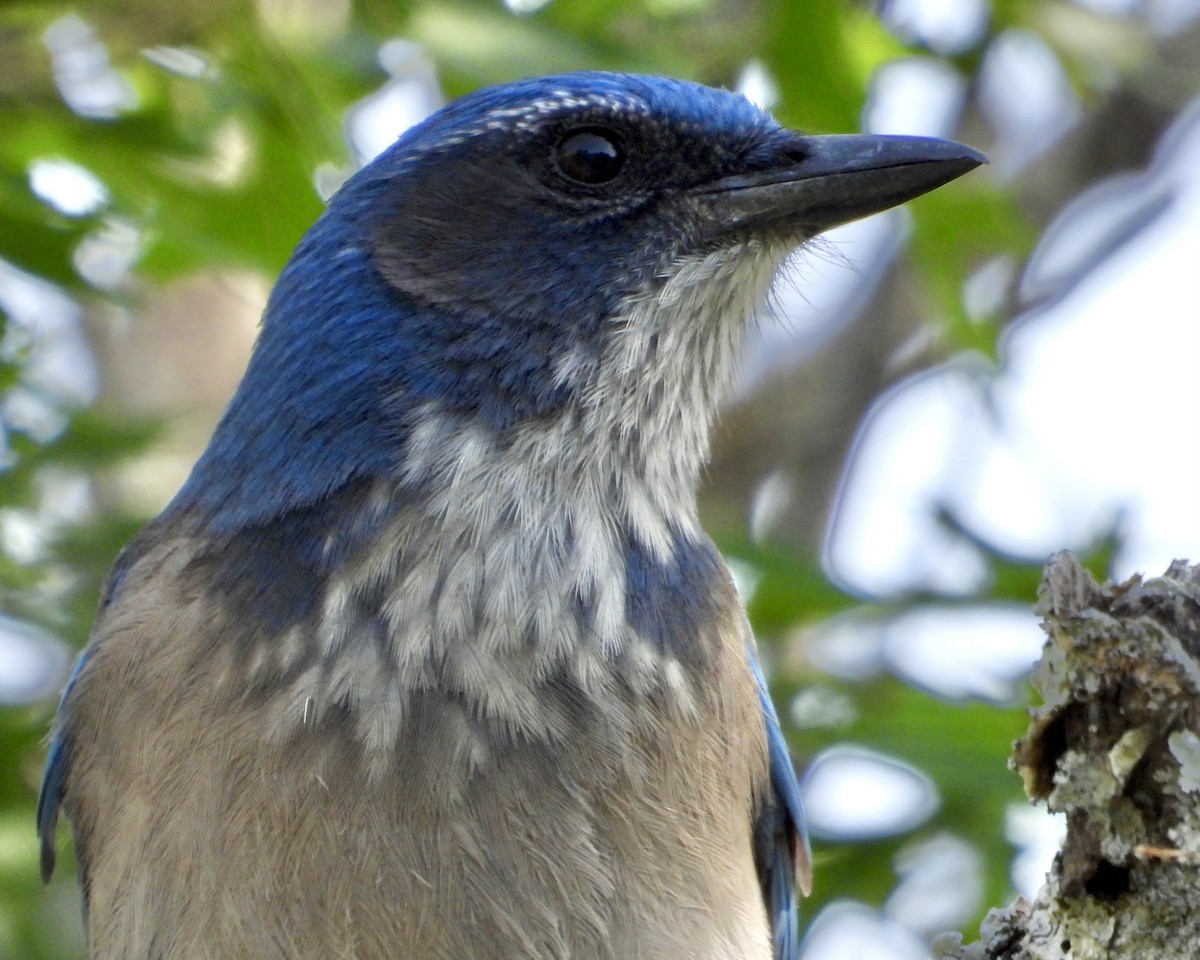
column 589, row 156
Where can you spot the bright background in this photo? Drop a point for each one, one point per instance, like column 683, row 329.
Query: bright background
column 939, row 397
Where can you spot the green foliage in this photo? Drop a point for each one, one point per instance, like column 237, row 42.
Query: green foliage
column 963, row 747
column 953, row 235
column 216, row 171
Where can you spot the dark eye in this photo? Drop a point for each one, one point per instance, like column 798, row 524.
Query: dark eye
column 589, row 156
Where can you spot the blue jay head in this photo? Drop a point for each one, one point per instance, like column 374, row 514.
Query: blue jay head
column 587, row 246
column 558, row 197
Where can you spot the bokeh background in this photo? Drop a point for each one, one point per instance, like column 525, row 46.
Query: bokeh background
column 937, row 398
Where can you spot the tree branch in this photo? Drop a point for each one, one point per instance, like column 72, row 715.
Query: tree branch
column 1115, row 748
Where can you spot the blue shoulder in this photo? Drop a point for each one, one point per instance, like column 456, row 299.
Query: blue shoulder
column 54, row 777
column 781, row 834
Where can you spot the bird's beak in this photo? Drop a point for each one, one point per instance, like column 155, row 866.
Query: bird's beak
column 822, row 182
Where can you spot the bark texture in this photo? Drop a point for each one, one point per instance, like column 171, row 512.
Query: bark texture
column 1116, row 748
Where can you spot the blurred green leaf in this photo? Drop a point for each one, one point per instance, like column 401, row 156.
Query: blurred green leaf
column 962, row 747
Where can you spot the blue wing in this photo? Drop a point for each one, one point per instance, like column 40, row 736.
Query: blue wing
column 781, row 835
column 50, row 799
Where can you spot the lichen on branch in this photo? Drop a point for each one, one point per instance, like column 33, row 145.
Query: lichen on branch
column 1116, row 748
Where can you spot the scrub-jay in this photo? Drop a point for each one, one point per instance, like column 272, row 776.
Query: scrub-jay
column 430, row 657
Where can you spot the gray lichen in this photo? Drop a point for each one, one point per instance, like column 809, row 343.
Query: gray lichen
column 1116, row 748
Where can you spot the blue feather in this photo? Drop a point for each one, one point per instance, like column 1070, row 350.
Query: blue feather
column 788, row 851
column 50, row 798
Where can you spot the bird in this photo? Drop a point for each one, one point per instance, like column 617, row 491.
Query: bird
column 430, row 656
